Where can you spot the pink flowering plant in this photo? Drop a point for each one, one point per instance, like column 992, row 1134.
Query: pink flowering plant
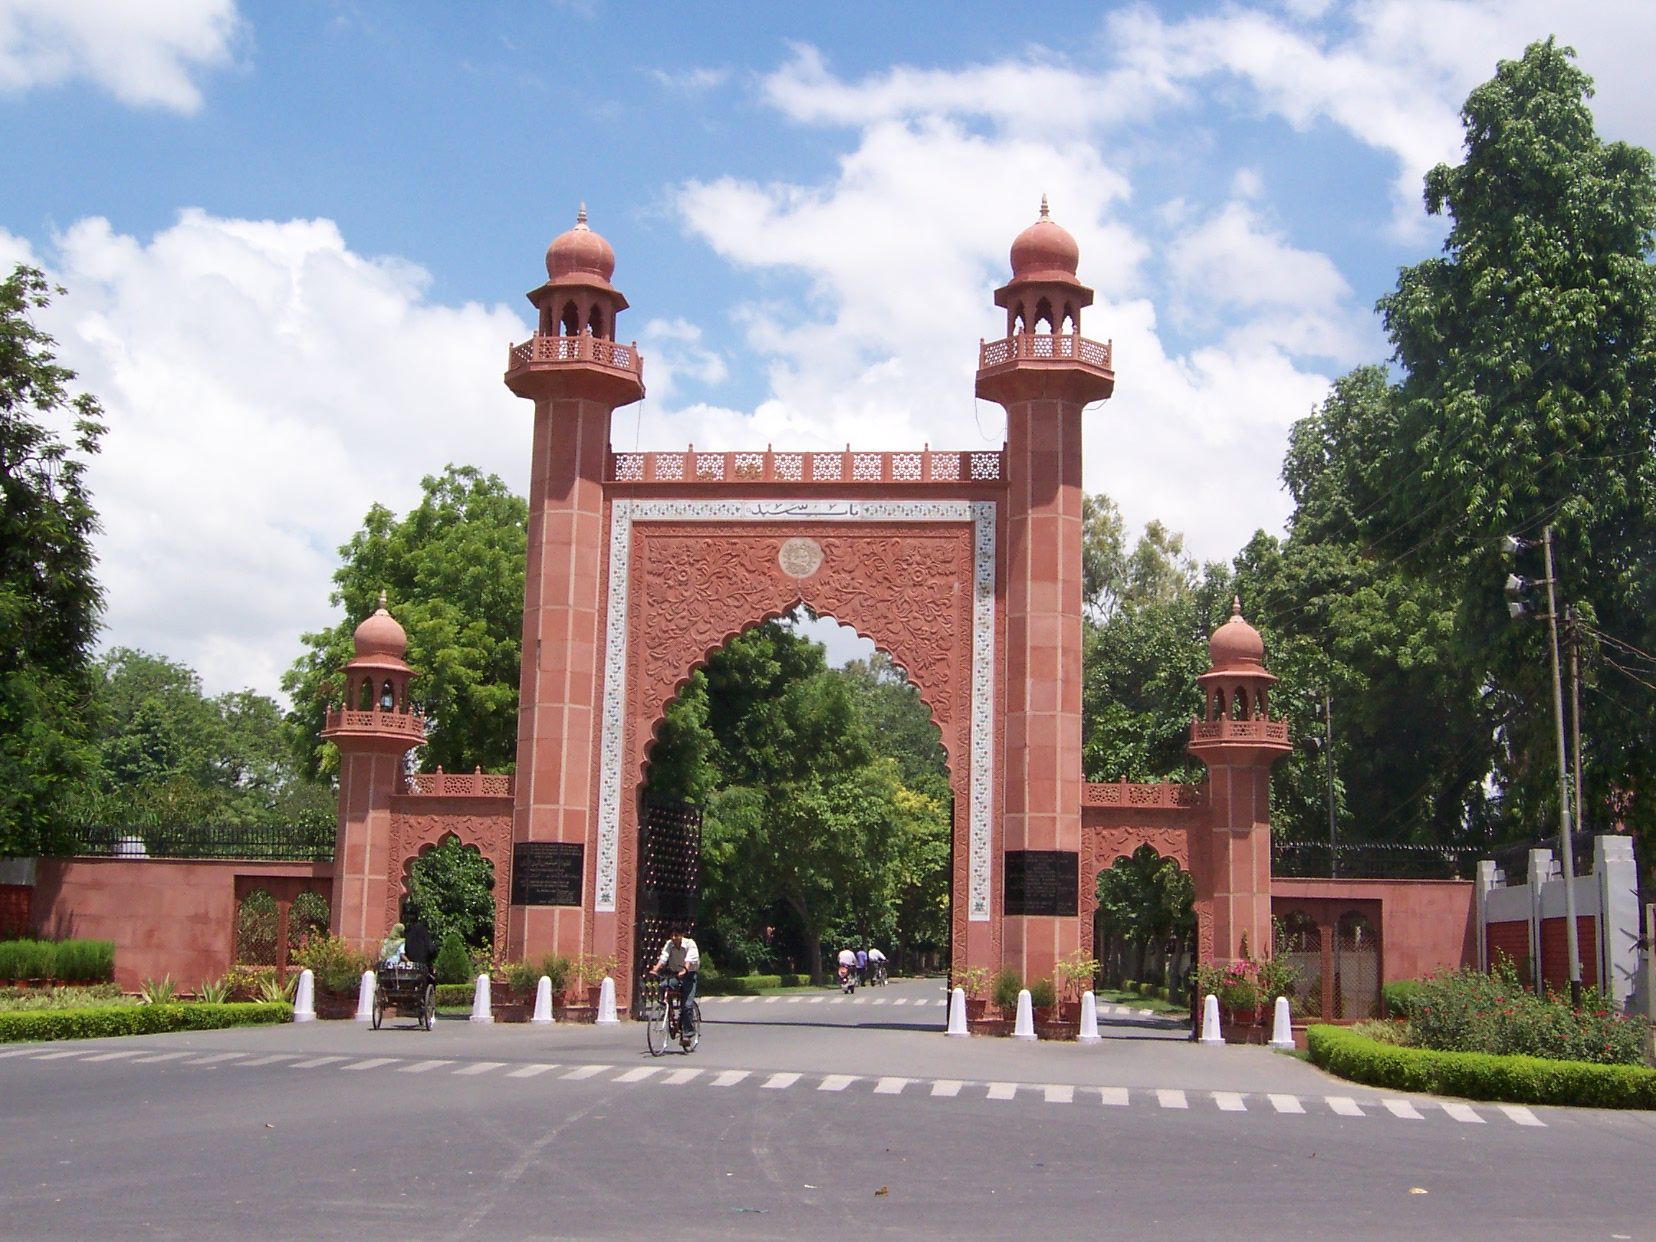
column 1246, row 986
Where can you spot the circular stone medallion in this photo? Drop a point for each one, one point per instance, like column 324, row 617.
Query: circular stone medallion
column 800, row 558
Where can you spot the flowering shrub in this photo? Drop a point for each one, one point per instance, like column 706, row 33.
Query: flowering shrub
column 1246, row 985
column 1468, row 1011
column 335, row 964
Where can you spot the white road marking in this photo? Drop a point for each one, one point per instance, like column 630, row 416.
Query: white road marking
column 771, row 1000
column 891, row 1086
column 214, row 1058
column 586, row 1071
column 480, row 1067
column 15, row 1052
column 1058, row 1093
column 274, row 1057
column 679, row 1076
column 58, row 1056
column 1403, row 1109
column 116, row 1056
column 1002, row 1090
column 729, row 1078
column 817, row 1000
column 1116, row 1097
column 313, row 1062
column 1229, row 1102
column 370, row 1063
column 780, row 1082
column 901, row 1000
column 947, row 1087
column 1462, row 1112
column 532, row 1071
column 836, row 1082
column 1520, row 1114
column 1345, row 1106
column 423, row 1067
column 1171, row 1099
column 160, row 1056
column 637, row 1075
column 1286, row 1103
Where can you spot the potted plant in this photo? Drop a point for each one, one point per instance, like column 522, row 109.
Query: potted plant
column 1043, row 998
column 337, row 968
column 514, row 1000
column 974, row 981
column 1241, row 996
column 1073, row 977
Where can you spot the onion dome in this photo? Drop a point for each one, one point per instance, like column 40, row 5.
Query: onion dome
column 381, row 635
column 1044, row 250
column 580, row 253
column 1236, row 643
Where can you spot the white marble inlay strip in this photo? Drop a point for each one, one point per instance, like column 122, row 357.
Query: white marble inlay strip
column 370, row 1063
column 947, row 1087
column 1229, row 1102
column 1168, row 1098
column 1345, row 1106
column 680, row 1076
column 481, row 1067
column 160, row 1056
column 780, row 1082
column 119, row 1055
column 1116, row 1097
column 891, row 1086
column 423, row 1067
column 586, row 1071
column 1520, row 1114
column 1403, row 1109
column 637, row 1075
column 836, row 1082
column 1463, row 1112
column 1002, row 1090
column 729, row 1078
column 314, row 1062
column 1286, row 1103
column 532, row 1071
column 1058, row 1093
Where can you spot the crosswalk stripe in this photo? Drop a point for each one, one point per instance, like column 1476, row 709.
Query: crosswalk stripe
column 771, row 1000
column 1286, row 1103
column 531, row 1071
column 370, row 1063
column 1521, row 1115
column 817, row 1000
column 423, row 1067
column 586, row 1071
column 1462, row 1112
column 58, row 1056
column 1058, row 1093
column 836, row 1082
column 15, row 1052
column 273, row 1058
column 901, row 1000
column 947, row 1087
column 215, row 1058
column 118, row 1055
column 1345, row 1106
column 729, row 1078
column 480, row 1067
column 679, row 1076
column 1403, row 1109
column 1229, row 1102
column 878, row 1000
column 1002, row 1090
column 779, row 1082
column 637, row 1075
column 891, row 1086
column 1171, row 1099
column 1115, row 1097
column 160, row 1056
column 313, row 1062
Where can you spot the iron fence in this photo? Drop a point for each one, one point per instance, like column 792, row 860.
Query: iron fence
column 234, row 842
column 1399, row 860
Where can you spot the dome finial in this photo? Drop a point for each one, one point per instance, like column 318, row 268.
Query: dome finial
column 580, row 217
column 1045, row 215
column 1236, row 605
column 382, row 597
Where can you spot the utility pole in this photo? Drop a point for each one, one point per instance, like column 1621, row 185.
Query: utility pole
column 1565, row 846
column 1328, row 747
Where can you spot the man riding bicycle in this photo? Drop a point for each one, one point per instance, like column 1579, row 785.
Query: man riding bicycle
column 682, row 960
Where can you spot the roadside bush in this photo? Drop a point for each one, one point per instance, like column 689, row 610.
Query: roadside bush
column 114, row 1020
column 337, row 966
column 1480, row 1076
column 1468, row 1011
column 1004, row 991
column 1399, row 996
column 85, row 961
column 1042, row 994
column 27, row 959
column 450, row 995
column 21, row 999
column 453, row 963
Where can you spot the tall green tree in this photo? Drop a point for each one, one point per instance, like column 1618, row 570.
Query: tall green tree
column 452, row 570
column 50, row 600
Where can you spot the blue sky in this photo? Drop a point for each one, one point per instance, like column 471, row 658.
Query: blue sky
column 295, row 238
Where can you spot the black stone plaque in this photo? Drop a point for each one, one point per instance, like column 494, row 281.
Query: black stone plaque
column 547, row 873
column 1041, row 882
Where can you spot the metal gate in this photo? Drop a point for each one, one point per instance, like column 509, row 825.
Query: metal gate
column 669, row 876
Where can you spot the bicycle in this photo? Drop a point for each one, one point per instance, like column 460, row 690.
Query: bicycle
column 876, row 974
column 662, row 1024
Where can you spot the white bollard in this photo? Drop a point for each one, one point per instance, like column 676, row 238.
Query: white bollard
column 1282, row 1026
column 1089, row 1019
column 365, row 997
column 543, row 1001
column 1210, row 1021
column 481, row 1009
column 606, row 1003
column 957, row 1014
column 304, row 998
column 1024, row 1027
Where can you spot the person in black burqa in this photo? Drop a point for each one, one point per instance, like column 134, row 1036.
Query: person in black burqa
column 417, row 941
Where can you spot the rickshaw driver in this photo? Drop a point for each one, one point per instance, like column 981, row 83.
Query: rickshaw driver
column 682, row 960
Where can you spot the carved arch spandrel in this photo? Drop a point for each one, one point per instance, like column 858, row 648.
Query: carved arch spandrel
column 1100, row 847
column 412, row 832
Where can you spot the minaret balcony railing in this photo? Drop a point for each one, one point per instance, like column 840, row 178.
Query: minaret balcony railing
column 1227, row 730
column 404, row 724
column 441, row 784
column 834, row 468
column 582, row 348
column 1043, row 347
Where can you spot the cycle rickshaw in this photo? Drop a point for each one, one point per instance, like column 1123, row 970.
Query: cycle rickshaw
column 408, row 987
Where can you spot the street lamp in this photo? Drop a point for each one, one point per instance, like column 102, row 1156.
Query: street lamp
column 1518, row 608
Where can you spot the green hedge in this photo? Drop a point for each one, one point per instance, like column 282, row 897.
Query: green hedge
column 747, row 985
column 1399, row 996
column 71, row 961
column 1479, row 1075
column 456, row 993
column 107, row 1021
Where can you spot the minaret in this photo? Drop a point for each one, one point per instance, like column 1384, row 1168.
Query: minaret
column 373, row 731
column 577, row 375
column 1044, row 373
column 1238, row 741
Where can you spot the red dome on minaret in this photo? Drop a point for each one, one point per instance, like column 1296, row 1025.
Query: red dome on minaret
column 1236, row 644
column 580, row 253
column 380, row 634
column 1044, row 250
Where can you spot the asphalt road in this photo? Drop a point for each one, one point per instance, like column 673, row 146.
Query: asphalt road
column 848, row 1116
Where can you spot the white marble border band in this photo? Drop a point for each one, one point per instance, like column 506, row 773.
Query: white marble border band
column 623, row 513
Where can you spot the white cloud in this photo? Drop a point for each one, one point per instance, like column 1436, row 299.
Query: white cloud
column 264, row 386
column 696, row 81
column 146, row 54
